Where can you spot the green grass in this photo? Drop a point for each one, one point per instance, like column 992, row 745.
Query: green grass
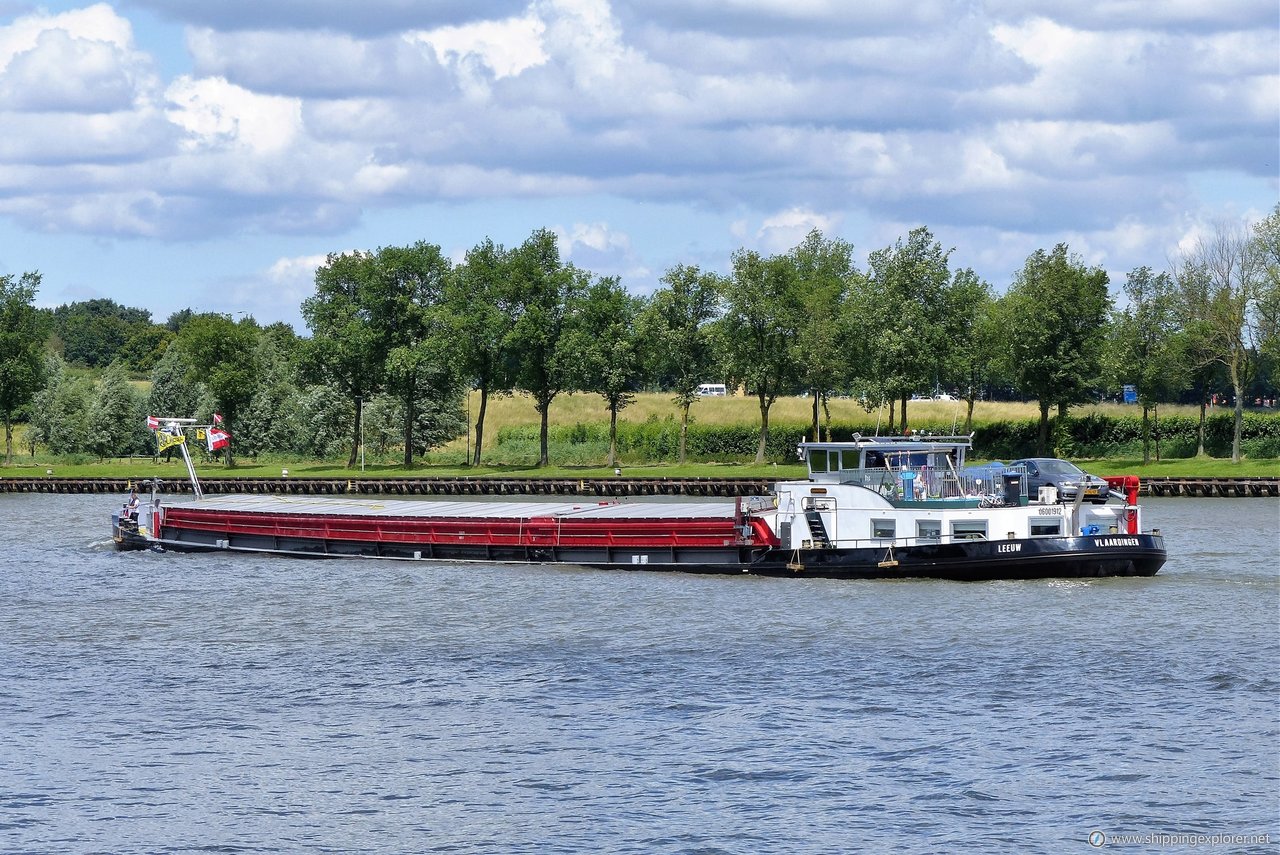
column 1190, row 467
column 142, row 468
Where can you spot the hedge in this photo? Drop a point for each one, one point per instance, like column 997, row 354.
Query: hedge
column 1091, row 436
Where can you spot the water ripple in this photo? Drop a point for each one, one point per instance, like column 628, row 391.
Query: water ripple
column 158, row 703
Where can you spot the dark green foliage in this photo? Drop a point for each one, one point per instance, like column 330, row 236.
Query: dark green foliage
column 480, row 303
column 762, row 318
column 1098, row 436
column 173, row 391
column 1095, row 436
column 116, row 425
column 546, row 293
column 1057, row 316
column 59, row 410
column 318, row 425
column 222, row 354
column 658, row 440
column 22, row 333
column 95, row 333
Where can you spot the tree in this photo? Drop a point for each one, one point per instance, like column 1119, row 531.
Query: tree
column 22, row 334
column 174, row 391
column 546, row 291
column 222, row 353
column 145, row 346
column 115, row 424
column 974, row 332
column 1266, row 245
column 1057, row 315
column 759, row 328
column 319, row 422
column 1229, row 267
column 1144, row 346
column 263, row 425
column 909, row 303
column 1196, row 340
column 59, row 409
column 95, row 332
column 481, row 306
column 344, row 350
column 176, row 321
column 824, row 271
column 406, row 297
column 677, row 334
column 606, row 339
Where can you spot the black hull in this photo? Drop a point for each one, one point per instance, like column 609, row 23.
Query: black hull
column 980, row 560
column 968, row 561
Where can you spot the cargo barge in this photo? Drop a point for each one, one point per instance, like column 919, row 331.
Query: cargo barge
column 876, row 507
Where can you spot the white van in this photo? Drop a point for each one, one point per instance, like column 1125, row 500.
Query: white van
column 712, row 390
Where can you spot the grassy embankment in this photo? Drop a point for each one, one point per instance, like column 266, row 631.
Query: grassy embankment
column 569, row 410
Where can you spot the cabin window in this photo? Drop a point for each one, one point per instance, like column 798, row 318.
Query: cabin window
column 883, row 528
column 818, row 460
column 969, row 530
column 929, row 529
column 1040, row 529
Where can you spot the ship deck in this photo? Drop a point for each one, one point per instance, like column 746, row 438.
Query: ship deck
column 341, row 506
column 425, row 527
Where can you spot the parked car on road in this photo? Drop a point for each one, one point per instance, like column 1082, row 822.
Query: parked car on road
column 1064, row 475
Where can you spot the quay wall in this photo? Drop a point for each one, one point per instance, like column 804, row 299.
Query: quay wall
column 497, row 486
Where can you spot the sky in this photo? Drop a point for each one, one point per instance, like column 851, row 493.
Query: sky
column 173, row 154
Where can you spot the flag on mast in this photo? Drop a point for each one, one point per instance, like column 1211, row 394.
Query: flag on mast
column 167, row 440
column 218, row 438
column 217, row 419
column 152, row 423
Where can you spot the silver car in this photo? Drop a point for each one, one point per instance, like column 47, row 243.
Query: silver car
column 1064, row 475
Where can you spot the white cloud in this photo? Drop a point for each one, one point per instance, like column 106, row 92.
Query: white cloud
column 596, row 236
column 217, row 114
column 1020, row 123
column 605, row 251
column 506, row 48
column 290, row 272
column 786, row 229
column 273, row 293
column 98, row 23
column 80, row 61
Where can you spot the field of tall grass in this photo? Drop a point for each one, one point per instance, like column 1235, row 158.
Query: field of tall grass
column 574, row 409
column 732, row 410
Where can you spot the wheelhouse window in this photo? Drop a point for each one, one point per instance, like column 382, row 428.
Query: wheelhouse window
column 969, row 530
column 883, row 528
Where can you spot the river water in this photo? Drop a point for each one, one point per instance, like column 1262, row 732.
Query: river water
column 218, row 703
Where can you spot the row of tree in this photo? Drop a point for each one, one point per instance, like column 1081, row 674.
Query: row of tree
column 398, row 335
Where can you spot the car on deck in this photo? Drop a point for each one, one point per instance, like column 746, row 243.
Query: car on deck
column 1063, row 475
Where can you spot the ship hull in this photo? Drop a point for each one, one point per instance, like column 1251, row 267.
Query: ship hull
column 972, row 560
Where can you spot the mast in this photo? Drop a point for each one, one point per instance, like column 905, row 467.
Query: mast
column 175, row 427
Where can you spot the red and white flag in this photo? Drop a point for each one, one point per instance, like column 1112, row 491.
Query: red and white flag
column 153, row 423
column 217, row 419
column 218, row 438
